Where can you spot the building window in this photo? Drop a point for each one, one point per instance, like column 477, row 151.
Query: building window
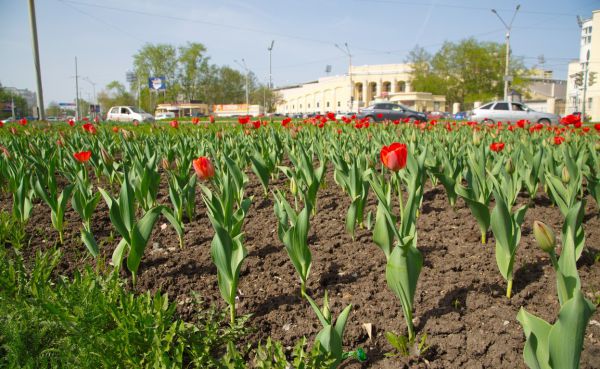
column 318, row 105
column 327, row 103
column 339, row 104
column 300, row 106
column 309, row 106
column 293, row 106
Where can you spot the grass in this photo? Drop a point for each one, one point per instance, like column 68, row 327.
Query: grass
column 92, row 321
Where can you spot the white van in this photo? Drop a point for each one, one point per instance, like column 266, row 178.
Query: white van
column 128, row 114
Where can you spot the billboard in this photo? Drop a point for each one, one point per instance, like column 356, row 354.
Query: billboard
column 66, row 106
column 157, row 83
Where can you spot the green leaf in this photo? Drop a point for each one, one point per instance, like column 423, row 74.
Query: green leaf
column 536, row 331
column 566, row 335
column 119, row 253
column 90, row 242
column 140, row 236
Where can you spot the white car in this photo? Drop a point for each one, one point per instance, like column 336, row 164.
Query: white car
column 504, row 111
column 165, row 115
column 128, row 114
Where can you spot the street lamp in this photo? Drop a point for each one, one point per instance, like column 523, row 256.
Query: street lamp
column 507, row 78
column 270, row 48
column 243, row 65
column 94, row 88
column 349, row 55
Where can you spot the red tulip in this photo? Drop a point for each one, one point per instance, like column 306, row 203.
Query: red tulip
column 394, row 156
column 286, row 121
column 597, row 127
column 89, row 127
column 23, row 121
column 82, row 156
column 174, row 123
column 211, row 118
column 203, row 167
column 71, row 122
column 331, row 116
column 586, row 129
column 243, row 120
column 96, row 120
column 497, row 146
column 1, row 124
column 115, row 129
column 379, row 116
column 256, row 124
column 195, row 120
column 558, row 140
column 570, row 119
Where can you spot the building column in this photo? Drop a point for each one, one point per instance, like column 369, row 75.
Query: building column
column 379, row 85
column 407, row 87
column 394, row 88
column 365, row 84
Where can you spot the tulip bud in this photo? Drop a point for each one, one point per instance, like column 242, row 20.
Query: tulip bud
column 566, row 176
column 166, row 165
column 597, row 146
column 544, row 236
column 509, row 166
column 476, row 138
column 106, row 158
column 293, row 187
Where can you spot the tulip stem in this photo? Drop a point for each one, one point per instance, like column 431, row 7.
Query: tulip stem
column 509, row 288
column 483, row 237
column 232, row 314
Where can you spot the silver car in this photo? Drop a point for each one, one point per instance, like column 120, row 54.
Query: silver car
column 504, row 111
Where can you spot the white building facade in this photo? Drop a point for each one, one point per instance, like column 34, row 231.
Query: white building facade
column 589, row 58
column 369, row 83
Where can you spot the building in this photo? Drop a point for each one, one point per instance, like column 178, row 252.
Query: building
column 29, row 96
column 545, row 93
column 183, row 109
column 234, row 110
column 369, row 83
column 587, row 64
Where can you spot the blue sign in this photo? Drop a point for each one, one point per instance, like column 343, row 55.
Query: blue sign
column 157, row 83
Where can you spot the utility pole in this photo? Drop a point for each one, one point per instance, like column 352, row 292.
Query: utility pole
column 507, row 77
column 247, row 95
column 76, row 92
column 36, row 61
column 349, row 55
column 585, row 83
column 12, row 106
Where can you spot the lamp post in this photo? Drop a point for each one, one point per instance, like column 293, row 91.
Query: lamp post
column 507, row 78
column 349, row 55
column 77, row 117
column 243, row 65
column 585, row 83
column 94, row 90
column 270, row 48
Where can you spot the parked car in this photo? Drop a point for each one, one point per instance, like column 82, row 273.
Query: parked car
column 438, row 115
column 503, row 111
column 128, row 114
column 461, row 115
column 390, row 111
column 167, row 115
column 347, row 115
column 7, row 120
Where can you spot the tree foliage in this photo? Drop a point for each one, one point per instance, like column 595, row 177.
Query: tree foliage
column 114, row 94
column 465, row 72
column 6, row 98
column 190, row 76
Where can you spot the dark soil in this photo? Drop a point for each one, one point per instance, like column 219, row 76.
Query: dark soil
column 460, row 301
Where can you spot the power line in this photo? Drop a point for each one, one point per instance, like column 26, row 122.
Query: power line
column 459, row 6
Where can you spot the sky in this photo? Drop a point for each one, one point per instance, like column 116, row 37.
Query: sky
column 104, row 35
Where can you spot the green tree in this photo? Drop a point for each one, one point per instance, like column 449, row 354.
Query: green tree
column 6, row 99
column 53, row 110
column 193, row 66
column 154, row 60
column 115, row 93
column 466, row 71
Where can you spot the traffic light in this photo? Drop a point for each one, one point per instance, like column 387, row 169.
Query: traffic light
column 578, row 78
column 591, row 78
